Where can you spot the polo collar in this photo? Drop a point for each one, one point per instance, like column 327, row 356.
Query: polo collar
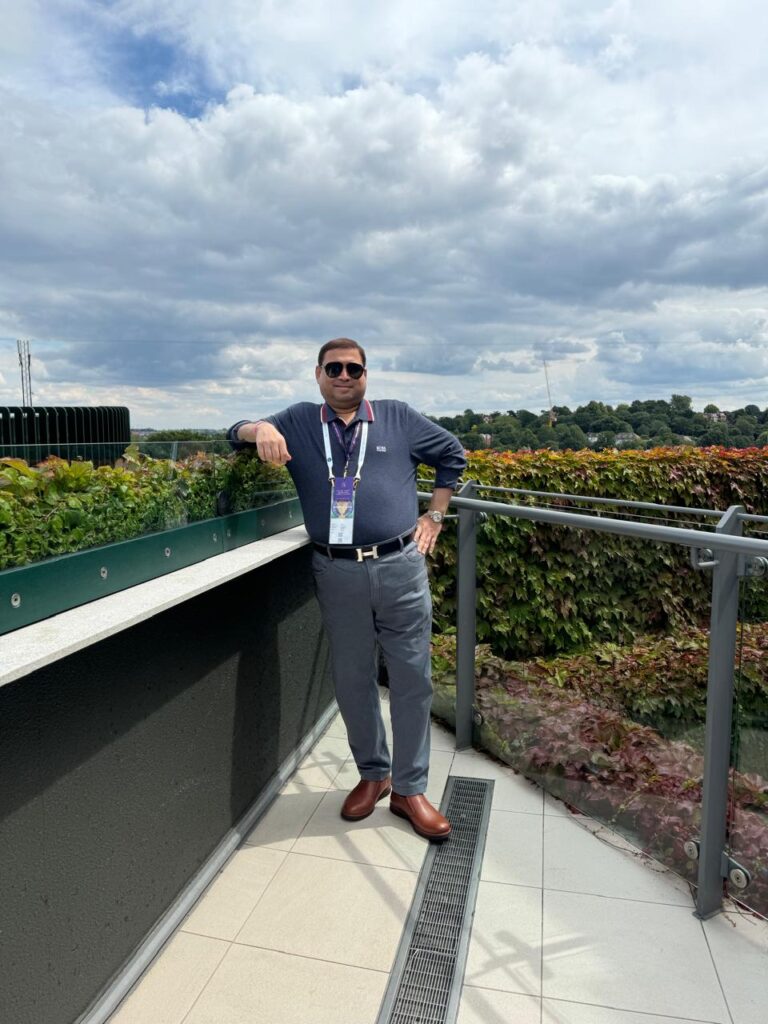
column 364, row 412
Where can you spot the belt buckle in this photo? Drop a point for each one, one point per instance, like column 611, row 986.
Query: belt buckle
column 373, row 553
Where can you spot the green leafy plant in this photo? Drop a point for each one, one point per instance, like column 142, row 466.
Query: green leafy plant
column 59, row 507
column 546, row 589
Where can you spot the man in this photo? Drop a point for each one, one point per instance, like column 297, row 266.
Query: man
column 354, row 464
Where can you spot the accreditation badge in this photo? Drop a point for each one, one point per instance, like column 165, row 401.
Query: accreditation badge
column 342, row 510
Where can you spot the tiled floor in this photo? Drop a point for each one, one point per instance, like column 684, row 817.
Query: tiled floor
column 302, row 925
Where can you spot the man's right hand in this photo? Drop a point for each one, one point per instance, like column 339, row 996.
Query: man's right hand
column 270, row 443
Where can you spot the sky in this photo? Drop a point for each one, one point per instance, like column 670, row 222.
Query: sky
column 194, row 196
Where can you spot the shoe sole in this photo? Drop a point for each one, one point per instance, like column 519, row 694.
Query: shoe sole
column 359, row 817
column 440, row 837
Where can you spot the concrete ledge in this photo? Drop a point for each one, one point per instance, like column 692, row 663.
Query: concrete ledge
column 43, row 643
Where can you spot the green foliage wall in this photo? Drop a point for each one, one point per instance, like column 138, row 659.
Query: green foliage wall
column 547, row 589
column 60, row 507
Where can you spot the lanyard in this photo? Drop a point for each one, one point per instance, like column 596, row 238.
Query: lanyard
column 348, row 448
column 347, row 451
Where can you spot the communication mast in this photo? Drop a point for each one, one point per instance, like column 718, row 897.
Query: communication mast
column 25, row 362
column 551, row 412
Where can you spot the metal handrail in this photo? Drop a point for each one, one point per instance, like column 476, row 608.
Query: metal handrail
column 624, row 503
column 622, row 527
column 734, row 557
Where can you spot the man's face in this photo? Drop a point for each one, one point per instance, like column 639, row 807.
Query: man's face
column 341, row 392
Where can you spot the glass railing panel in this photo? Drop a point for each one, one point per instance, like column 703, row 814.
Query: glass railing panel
column 591, row 673
column 59, row 499
column 748, row 825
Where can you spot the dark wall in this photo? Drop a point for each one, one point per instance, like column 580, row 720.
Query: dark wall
column 123, row 765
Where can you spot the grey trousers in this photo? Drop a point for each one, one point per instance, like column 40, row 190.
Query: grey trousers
column 384, row 601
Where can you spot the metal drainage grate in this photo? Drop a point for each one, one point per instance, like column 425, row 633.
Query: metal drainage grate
column 428, row 972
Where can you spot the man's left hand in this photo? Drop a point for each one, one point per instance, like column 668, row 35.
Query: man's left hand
column 426, row 534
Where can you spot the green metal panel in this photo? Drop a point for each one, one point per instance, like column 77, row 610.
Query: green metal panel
column 34, row 592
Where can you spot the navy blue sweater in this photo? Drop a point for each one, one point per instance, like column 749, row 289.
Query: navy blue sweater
column 399, row 439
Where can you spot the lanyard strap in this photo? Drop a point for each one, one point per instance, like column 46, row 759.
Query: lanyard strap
column 348, row 447
column 348, row 452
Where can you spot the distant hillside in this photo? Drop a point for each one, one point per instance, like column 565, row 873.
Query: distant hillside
column 650, row 424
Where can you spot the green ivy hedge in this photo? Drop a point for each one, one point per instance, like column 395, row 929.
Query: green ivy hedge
column 547, row 589
column 58, row 507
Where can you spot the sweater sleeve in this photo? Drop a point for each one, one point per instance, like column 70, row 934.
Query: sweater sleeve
column 279, row 420
column 436, row 447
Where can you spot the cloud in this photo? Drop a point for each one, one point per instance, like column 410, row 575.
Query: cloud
column 196, row 196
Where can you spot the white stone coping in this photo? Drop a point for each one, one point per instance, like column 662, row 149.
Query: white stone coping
column 45, row 642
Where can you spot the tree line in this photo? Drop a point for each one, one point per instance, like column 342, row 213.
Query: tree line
column 650, row 424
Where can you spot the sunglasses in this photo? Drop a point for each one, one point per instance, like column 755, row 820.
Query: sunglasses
column 355, row 370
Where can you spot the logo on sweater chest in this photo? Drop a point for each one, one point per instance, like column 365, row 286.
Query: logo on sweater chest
column 381, row 447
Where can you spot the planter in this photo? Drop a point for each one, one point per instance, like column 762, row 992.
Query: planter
column 30, row 593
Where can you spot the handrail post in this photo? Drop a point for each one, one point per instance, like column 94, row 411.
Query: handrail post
column 466, row 610
column 717, row 743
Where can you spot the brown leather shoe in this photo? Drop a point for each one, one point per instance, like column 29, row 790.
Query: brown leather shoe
column 424, row 818
column 364, row 797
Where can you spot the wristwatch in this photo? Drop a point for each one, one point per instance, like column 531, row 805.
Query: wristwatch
column 435, row 516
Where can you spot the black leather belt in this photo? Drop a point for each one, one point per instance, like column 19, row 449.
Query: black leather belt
column 371, row 551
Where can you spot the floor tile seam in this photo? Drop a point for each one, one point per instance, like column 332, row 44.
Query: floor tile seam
column 203, row 935
column 641, row 1013
column 717, row 972
column 508, row 810
column 295, row 782
column 313, row 959
column 362, row 863
column 317, row 753
column 341, row 769
column 505, row 991
column 281, row 792
column 634, row 1009
column 306, row 823
column 336, row 858
column 306, row 785
column 541, row 932
column 353, row 860
column 624, row 899
column 208, row 980
column 325, row 788
column 509, row 885
column 620, row 899
column 509, row 991
column 265, row 846
column 255, row 906
column 228, row 872
column 325, row 753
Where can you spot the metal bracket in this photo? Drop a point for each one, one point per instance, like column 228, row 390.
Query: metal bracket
column 752, row 567
column 736, row 873
column 703, row 558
